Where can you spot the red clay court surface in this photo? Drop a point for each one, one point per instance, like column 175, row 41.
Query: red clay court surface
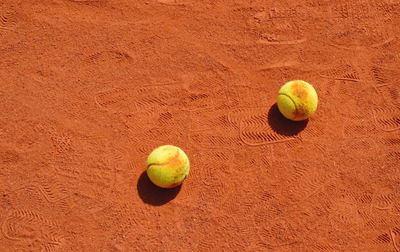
column 89, row 87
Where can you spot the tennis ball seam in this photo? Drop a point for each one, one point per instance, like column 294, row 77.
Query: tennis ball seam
column 166, row 163
column 295, row 105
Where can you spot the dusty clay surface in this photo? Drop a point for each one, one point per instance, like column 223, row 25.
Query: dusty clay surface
column 89, row 87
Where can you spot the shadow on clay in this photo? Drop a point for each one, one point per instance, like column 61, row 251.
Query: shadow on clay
column 283, row 126
column 154, row 195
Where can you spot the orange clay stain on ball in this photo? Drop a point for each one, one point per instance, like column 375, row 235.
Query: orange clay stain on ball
column 168, row 166
column 297, row 100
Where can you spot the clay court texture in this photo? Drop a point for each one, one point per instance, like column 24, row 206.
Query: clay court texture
column 88, row 88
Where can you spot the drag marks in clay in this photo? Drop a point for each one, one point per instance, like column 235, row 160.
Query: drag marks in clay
column 142, row 74
column 345, row 72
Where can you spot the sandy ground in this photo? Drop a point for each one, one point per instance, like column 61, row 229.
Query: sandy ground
column 89, row 87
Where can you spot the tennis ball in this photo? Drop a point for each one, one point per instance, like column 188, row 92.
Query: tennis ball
column 297, row 100
column 167, row 166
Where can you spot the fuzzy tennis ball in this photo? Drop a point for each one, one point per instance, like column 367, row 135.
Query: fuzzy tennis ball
column 297, row 100
column 167, row 166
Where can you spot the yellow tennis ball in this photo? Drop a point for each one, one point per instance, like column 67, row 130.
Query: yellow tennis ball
column 167, row 166
column 297, row 100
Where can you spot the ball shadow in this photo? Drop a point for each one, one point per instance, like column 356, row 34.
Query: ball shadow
column 154, row 195
column 283, row 126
